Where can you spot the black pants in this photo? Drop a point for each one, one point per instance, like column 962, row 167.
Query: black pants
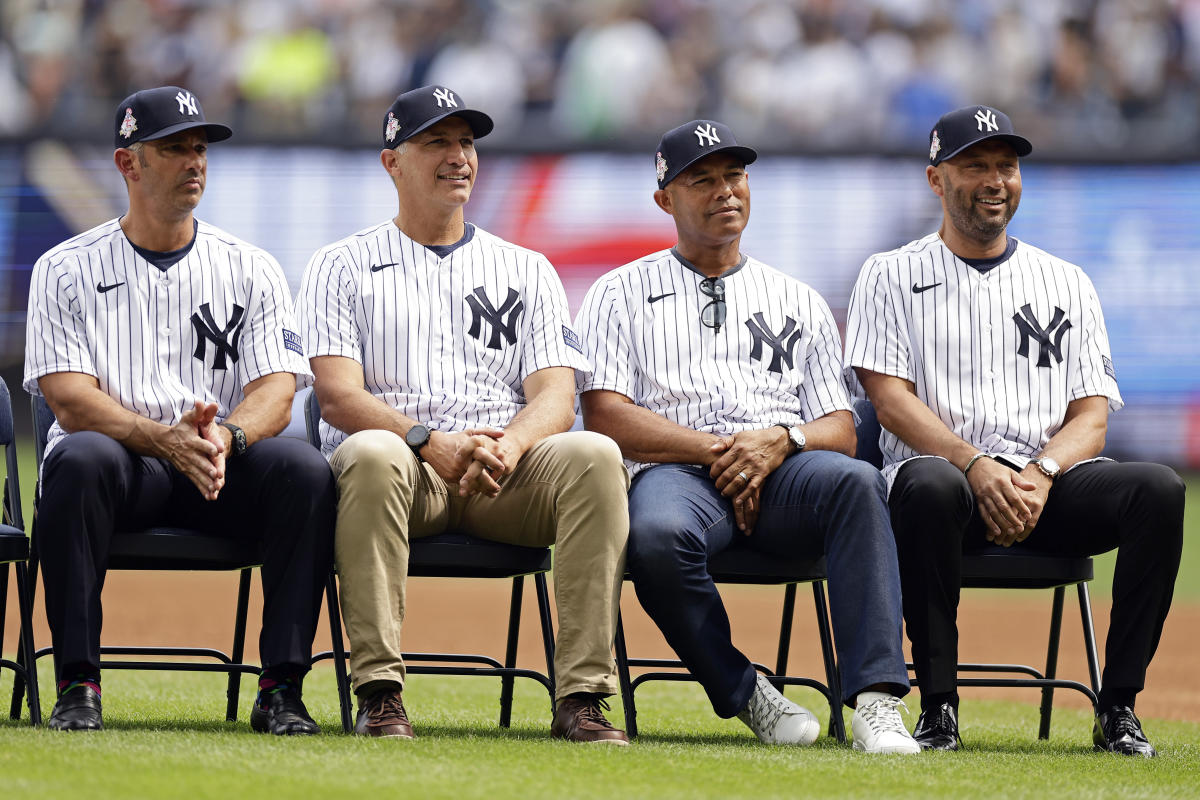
column 1135, row 507
column 280, row 492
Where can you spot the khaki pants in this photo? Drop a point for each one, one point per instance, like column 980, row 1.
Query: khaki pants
column 569, row 490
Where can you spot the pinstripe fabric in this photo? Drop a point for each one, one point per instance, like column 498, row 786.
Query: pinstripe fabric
column 411, row 319
column 960, row 343
column 138, row 339
column 660, row 355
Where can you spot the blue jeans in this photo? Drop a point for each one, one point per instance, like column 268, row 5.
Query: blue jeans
column 815, row 502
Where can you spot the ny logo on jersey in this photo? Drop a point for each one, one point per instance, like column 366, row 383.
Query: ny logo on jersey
column 445, row 98
column 706, row 135
column 187, row 103
column 1027, row 326
column 207, row 331
column 482, row 310
column 782, row 345
column 986, row 117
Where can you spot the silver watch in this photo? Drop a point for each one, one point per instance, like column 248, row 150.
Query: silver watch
column 1048, row 466
column 795, row 436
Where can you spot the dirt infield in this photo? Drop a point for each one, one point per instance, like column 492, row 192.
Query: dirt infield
column 1011, row 627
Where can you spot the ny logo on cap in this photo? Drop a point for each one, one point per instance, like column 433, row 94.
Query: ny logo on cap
column 187, row 103
column 706, row 132
column 445, row 98
column 986, row 116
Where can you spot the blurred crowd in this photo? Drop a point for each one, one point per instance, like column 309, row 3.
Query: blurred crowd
column 1083, row 78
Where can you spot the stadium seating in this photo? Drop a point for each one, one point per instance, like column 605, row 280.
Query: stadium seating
column 457, row 555
column 164, row 548
column 998, row 567
column 14, row 553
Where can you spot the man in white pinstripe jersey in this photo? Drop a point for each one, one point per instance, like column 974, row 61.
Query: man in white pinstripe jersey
column 988, row 363
column 166, row 349
column 720, row 378
column 445, row 365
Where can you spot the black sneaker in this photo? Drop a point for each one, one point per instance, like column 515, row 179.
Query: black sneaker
column 1118, row 730
column 77, row 709
column 937, row 728
column 283, row 715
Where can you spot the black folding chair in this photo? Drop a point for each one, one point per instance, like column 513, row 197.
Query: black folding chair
column 166, row 548
column 457, row 555
column 996, row 567
column 14, row 552
column 745, row 566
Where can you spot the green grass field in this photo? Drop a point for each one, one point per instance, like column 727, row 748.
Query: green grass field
column 165, row 738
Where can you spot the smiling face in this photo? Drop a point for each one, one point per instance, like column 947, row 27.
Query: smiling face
column 980, row 189
column 438, row 165
column 710, row 201
column 169, row 174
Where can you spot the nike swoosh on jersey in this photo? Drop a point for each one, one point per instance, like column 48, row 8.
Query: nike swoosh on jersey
column 919, row 289
column 654, row 298
column 101, row 288
column 377, row 267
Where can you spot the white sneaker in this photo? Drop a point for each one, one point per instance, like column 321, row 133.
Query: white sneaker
column 878, row 728
column 777, row 720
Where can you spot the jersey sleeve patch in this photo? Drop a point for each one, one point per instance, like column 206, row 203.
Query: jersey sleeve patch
column 292, row 341
column 571, row 339
column 1108, row 367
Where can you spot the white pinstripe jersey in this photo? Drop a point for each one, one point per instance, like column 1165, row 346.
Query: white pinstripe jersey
column 776, row 359
column 997, row 355
column 446, row 341
column 158, row 340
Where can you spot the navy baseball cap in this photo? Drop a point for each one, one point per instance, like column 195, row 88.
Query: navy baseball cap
column 683, row 146
column 416, row 110
column 969, row 125
column 158, row 113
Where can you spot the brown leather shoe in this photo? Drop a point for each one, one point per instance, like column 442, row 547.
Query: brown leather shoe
column 578, row 718
column 382, row 715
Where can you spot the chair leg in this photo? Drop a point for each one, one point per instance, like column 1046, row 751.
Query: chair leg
column 25, row 601
column 1051, row 661
column 510, row 650
column 623, row 678
column 1089, row 637
column 785, row 630
column 339, row 654
column 543, row 596
column 837, row 725
column 239, row 646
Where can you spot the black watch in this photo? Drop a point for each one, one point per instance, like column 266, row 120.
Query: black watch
column 416, row 438
column 239, row 439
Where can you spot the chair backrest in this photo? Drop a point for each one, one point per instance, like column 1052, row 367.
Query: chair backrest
column 12, row 484
column 43, row 418
column 312, row 419
column 868, row 430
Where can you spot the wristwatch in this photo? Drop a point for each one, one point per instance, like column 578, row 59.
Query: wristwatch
column 239, row 443
column 416, row 438
column 1048, row 466
column 796, row 438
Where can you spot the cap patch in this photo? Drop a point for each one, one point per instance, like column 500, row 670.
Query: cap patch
column 935, row 145
column 129, row 124
column 393, row 125
column 660, row 166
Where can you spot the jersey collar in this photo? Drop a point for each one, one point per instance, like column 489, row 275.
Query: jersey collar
column 694, row 269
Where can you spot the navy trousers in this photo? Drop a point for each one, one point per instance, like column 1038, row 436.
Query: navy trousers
column 816, row 502
column 1136, row 508
column 280, row 492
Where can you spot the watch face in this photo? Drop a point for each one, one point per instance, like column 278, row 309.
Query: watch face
column 797, row 436
column 417, row 436
column 1049, row 466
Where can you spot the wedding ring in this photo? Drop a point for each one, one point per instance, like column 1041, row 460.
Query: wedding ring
column 742, row 475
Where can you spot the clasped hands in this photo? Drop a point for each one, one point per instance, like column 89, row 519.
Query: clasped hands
column 1010, row 502
column 741, row 463
column 476, row 459
column 195, row 447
